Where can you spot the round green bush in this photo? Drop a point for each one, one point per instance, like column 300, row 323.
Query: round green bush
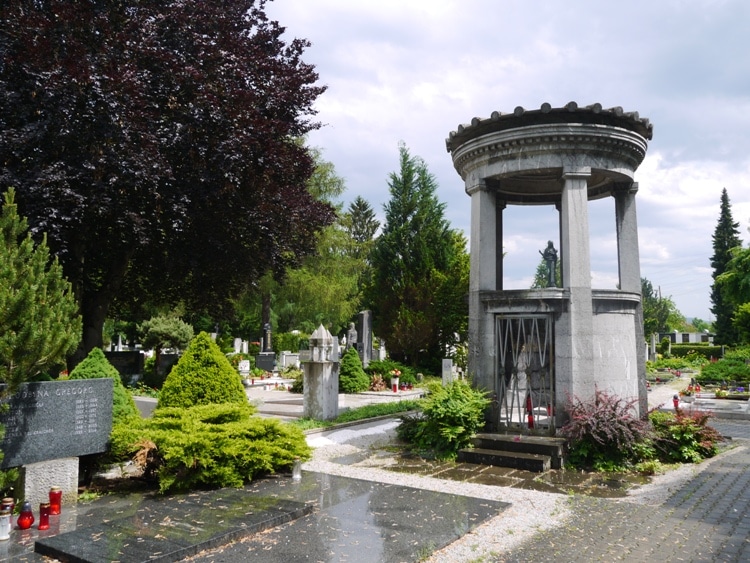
column 352, row 378
column 202, row 376
column 95, row 366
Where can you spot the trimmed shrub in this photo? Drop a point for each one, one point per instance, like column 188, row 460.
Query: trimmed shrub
column 605, row 434
column 202, row 376
column 209, row 446
column 352, row 378
column 95, row 366
column 451, row 415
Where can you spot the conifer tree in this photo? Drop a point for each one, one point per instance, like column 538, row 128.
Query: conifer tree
column 412, row 260
column 39, row 321
column 725, row 238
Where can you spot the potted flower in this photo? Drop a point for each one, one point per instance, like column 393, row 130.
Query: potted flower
column 688, row 394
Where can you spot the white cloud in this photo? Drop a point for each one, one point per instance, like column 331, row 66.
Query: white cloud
column 414, row 71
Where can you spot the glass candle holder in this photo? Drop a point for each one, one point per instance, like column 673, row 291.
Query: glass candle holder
column 44, row 510
column 9, row 504
column 26, row 517
column 55, row 500
column 4, row 524
column 297, row 470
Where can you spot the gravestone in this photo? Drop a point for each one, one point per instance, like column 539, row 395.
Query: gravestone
column 447, row 371
column 56, row 419
column 266, row 361
column 364, row 334
column 128, row 364
column 48, row 425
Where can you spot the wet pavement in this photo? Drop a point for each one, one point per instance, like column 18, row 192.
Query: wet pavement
column 320, row 518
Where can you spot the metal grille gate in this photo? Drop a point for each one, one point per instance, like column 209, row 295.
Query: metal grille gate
column 526, row 394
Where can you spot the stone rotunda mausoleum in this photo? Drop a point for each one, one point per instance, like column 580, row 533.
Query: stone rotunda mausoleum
column 533, row 349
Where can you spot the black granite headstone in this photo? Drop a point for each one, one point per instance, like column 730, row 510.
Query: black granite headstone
column 128, row 363
column 56, row 419
column 266, row 361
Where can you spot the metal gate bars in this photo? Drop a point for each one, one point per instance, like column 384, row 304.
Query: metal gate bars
column 526, row 394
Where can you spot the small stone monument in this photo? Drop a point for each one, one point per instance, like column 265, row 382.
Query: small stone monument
column 447, row 371
column 321, row 377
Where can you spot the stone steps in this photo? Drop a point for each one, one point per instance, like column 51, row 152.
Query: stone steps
column 531, row 453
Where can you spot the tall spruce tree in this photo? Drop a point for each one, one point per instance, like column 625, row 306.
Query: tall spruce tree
column 725, row 238
column 39, row 321
column 413, row 261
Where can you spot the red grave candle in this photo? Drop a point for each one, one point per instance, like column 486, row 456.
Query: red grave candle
column 55, row 500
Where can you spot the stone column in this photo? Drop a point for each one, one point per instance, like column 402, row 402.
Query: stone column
column 574, row 373
column 629, row 266
column 484, row 233
column 486, row 266
column 628, row 258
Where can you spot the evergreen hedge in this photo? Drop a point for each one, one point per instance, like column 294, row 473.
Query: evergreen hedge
column 203, row 375
column 705, row 350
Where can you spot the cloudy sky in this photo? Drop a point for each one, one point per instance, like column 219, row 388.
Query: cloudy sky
column 413, row 70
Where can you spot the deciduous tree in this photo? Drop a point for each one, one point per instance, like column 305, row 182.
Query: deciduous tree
column 157, row 145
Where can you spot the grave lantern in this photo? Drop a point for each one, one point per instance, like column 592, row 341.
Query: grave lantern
column 322, row 345
column 321, row 376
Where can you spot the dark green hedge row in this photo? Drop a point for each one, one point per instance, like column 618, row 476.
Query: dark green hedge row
column 708, row 352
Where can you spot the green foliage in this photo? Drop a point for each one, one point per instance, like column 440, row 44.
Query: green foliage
column 95, row 366
column 732, row 367
column 660, row 314
column 9, row 481
column 202, row 376
column 216, row 445
column 39, row 321
column 451, row 416
column 384, row 368
column 352, row 378
column 360, row 413
column 298, row 385
column 605, row 433
column 696, row 352
column 377, row 409
column 165, row 332
column 725, row 239
column 288, row 341
column 741, row 322
column 418, row 269
column 325, row 288
column 664, row 346
column 684, row 437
